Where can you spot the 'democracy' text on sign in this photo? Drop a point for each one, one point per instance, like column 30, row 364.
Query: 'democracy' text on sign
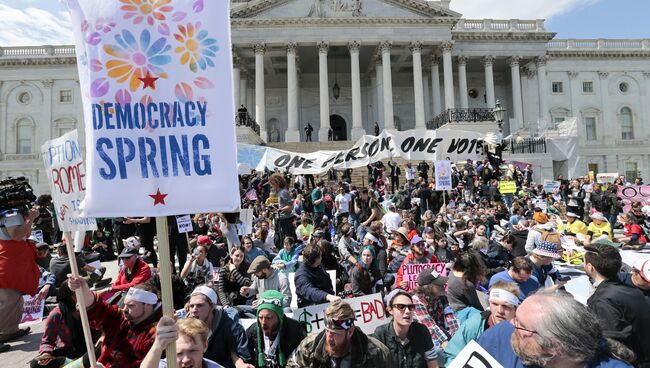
column 157, row 95
column 66, row 174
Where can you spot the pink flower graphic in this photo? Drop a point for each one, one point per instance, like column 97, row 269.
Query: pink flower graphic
column 151, row 10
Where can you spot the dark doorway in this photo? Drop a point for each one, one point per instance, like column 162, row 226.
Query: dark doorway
column 339, row 128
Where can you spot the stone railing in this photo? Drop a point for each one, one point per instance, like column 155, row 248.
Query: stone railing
column 461, row 115
column 598, row 44
column 498, row 25
column 37, row 51
column 20, row 156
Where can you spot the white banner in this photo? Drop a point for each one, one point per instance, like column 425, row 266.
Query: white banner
column 429, row 145
column 369, row 311
column 66, row 175
column 443, row 174
column 156, row 85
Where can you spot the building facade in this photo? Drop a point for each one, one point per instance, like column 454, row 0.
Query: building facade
column 350, row 64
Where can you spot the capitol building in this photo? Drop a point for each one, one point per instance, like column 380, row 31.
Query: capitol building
column 347, row 65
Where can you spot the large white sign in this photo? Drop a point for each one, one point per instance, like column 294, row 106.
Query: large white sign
column 157, row 90
column 66, row 175
column 430, row 145
column 369, row 311
column 474, row 356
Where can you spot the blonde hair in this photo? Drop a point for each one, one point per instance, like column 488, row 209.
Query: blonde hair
column 510, row 287
column 340, row 310
column 192, row 328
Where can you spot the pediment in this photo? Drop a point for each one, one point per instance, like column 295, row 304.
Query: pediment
column 283, row 9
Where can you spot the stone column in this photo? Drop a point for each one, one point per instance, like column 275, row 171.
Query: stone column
column 448, row 75
column 427, row 94
column 293, row 132
column 260, row 107
column 357, row 120
column 243, row 89
column 462, row 82
column 646, row 76
column 542, row 87
column 389, row 121
column 416, row 52
column 323, row 90
column 379, row 73
column 517, row 104
column 236, row 76
column 574, row 92
column 605, row 127
column 435, row 86
column 488, row 61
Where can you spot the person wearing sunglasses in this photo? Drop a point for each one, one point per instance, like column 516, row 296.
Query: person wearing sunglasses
column 408, row 341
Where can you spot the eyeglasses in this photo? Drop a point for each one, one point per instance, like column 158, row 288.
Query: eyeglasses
column 515, row 322
column 401, row 307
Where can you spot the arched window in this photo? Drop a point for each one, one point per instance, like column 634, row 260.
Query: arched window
column 627, row 123
column 24, row 137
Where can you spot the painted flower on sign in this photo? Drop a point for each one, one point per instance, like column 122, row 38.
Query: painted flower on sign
column 151, row 10
column 136, row 58
column 196, row 49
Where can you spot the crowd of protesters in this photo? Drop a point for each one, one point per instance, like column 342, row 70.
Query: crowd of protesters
column 500, row 285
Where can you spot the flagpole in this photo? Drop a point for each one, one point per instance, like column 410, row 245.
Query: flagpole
column 81, row 301
column 166, row 265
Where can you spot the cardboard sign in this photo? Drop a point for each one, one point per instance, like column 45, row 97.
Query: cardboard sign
column 551, row 186
column 443, row 174
column 184, row 224
column 32, row 309
column 507, row 187
column 634, row 193
column 474, row 356
column 410, row 272
column 369, row 310
column 607, row 178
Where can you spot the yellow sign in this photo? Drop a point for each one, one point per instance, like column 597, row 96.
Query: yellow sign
column 592, row 176
column 507, row 187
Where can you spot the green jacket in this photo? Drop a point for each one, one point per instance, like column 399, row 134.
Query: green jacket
column 471, row 329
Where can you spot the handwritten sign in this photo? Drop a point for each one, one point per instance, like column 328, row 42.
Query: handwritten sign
column 410, row 272
column 607, row 178
column 32, row 309
column 474, row 356
column 634, row 193
column 369, row 310
column 66, row 176
column 551, row 186
column 540, row 203
column 184, row 224
column 507, row 187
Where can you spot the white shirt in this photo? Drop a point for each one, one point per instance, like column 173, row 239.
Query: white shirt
column 343, row 201
column 392, row 221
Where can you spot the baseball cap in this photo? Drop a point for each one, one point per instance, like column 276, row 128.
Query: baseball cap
column 431, row 276
column 416, row 239
column 643, row 266
column 203, row 240
column 128, row 252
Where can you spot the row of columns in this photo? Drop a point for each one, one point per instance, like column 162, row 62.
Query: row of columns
column 384, row 90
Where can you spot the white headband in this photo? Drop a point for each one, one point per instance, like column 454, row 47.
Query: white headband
column 505, row 296
column 141, row 296
column 208, row 292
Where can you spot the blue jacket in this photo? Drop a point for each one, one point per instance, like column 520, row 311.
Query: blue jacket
column 313, row 285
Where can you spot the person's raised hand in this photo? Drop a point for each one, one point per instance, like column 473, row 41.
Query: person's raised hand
column 166, row 333
column 76, row 282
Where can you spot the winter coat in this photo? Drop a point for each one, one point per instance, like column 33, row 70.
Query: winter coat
column 313, row 285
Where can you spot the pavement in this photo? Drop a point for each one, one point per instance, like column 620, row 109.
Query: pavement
column 24, row 349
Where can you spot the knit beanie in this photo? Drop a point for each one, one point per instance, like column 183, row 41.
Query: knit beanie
column 273, row 301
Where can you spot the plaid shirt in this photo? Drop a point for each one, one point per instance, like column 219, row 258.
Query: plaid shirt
column 439, row 334
column 57, row 335
column 125, row 344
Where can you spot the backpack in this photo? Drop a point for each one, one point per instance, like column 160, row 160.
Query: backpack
column 329, row 203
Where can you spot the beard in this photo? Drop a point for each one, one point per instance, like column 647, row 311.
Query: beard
column 337, row 351
column 530, row 352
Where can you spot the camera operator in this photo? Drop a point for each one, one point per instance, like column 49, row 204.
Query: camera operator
column 19, row 272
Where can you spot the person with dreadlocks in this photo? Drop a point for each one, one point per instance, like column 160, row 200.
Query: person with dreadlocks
column 275, row 336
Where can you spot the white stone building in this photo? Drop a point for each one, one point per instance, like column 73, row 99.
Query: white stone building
column 347, row 64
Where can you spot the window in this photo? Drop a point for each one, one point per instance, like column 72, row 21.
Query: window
column 624, row 87
column 24, row 141
column 590, row 127
column 631, row 171
column 588, row 87
column 557, row 87
column 65, row 96
column 627, row 123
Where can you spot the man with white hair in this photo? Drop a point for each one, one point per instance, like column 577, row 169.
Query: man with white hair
column 128, row 332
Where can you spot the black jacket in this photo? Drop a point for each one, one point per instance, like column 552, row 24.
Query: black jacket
column 623, row 315
column 411, row 355
column 291, row 335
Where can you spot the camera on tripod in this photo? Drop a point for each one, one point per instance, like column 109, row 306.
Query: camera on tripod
column 16, row 194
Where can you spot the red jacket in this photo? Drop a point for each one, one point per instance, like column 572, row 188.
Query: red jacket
column 18, row 268
column 141, row 273
column 410, row 258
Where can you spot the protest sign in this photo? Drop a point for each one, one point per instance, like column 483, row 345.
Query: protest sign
column 606, row 178
column 37, row 235
column 507, row 187
column 66, row 176
column 580, row 288
column 429, row 145
column 540, row 203
column 443, row 174
column 411, row 271
column 157, row 93
column 369, row 310
column 184, row 224
column 551, row 186
column 474, row 356
column 32, row 309
column 634, row 193
column 592, row 176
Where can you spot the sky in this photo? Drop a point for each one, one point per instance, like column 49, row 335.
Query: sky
column 42, row 22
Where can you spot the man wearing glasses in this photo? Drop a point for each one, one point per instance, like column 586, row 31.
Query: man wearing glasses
column 552, row 330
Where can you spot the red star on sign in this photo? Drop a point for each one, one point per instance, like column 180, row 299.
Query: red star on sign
column 149, row 81
column 158, row 198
